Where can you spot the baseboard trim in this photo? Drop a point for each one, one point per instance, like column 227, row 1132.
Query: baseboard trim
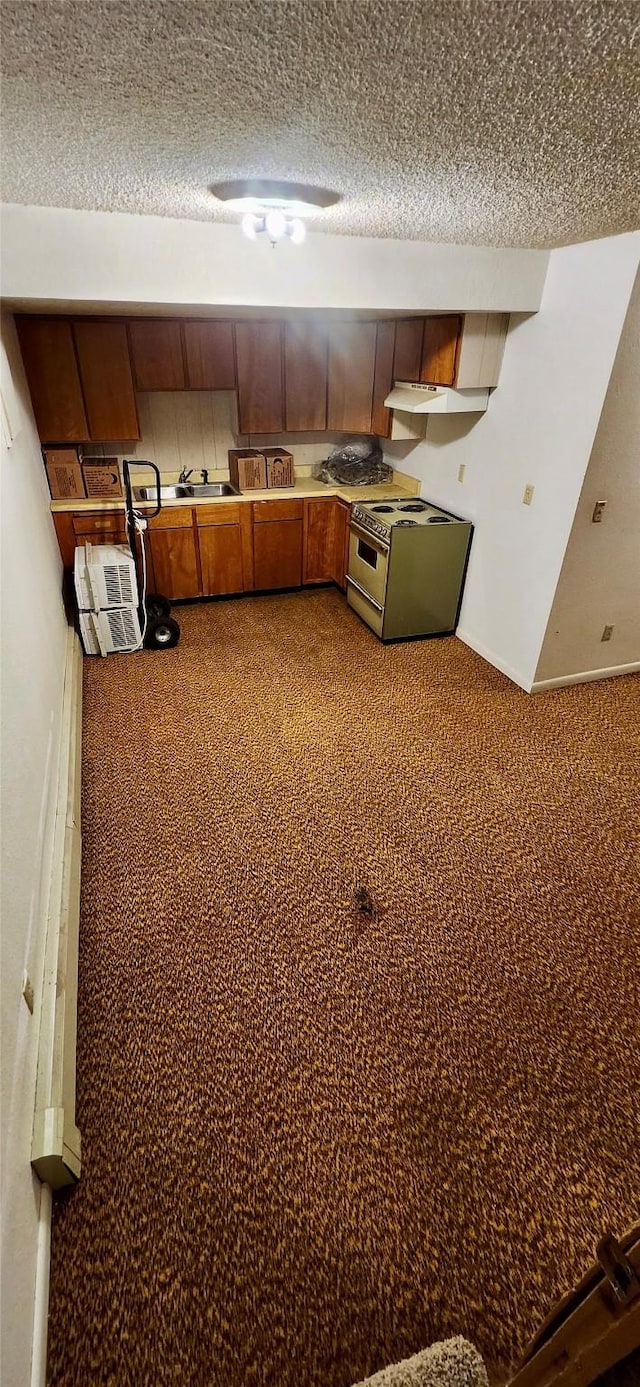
column 55, row 1149
column 493, row 659
column 586, row 676
column 41, row 1298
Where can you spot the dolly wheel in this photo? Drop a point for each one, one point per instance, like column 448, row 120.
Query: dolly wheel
column 157, row 606
column 162, row 634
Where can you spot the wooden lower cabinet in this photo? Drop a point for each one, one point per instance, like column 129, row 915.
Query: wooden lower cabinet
column 320, row 518
column 224, row 548
column 341, row 543
column 326, row 540
column 175, row 562
column 225, row 545
column 221, row 559
column 277, row 554
column 74, row 528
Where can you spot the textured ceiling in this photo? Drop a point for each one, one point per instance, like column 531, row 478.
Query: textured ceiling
column 504, row 122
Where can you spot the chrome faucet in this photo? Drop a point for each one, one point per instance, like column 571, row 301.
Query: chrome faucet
column 205, row 476
column 184, row 476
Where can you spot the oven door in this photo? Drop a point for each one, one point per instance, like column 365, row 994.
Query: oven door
column 368, row 564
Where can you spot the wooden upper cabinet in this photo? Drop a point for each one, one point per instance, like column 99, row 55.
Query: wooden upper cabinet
column 407, row 357
column 156, row 350
column 208, row 347
column 305, row 374
column 259, row 371
column 107, row 383
column 440, row 349
column 383, row 376
column 52, row 373
column 352, row 354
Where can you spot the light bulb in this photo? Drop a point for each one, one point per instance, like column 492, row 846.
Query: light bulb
column 275, row 224
column 297, row 231
column 249, row 225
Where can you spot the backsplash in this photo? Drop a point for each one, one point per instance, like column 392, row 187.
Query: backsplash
column 194, row 429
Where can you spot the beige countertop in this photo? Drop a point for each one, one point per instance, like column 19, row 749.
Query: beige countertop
column 400, row 485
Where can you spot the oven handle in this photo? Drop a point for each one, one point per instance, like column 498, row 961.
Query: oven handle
column 371, row 539
column 364, row 594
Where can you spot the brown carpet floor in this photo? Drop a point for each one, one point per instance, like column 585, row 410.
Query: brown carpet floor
column 357, row 1059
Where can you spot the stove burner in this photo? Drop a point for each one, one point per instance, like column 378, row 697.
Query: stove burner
column 408, row 522
column 415, row 506
column 386, row 509
column 438, row 520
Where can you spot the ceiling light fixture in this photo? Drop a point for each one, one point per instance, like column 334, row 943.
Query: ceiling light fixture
column 274, row 207
column 275, row 226
column 252, row 194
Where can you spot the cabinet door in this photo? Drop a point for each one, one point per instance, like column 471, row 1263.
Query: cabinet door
column 342, row 513
column 260, row 385
column 156, row 350
column 54, row 380
column 407, row 357
column 383, row 377
column 107, row 382
column 277, row 551
column 63, row 522
column 175, row 563
column 440, row 349
column 221, row 559
column 305, row 374
column 319, row 540
column 208, row 347
column 352, row 351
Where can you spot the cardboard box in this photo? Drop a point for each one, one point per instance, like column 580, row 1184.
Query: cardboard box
column 64, row 474
column 102, row 477
column 247, row 469
column 279, row 466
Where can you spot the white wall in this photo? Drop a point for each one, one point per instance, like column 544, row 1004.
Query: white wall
column 33, row 650
column 539, row 429
column 600, row 580
column 51, row 253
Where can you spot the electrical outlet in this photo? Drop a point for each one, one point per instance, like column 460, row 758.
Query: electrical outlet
column 527, row 496
column 597, row 512
column 606, row 634
column 27, row 990
column 461, row 471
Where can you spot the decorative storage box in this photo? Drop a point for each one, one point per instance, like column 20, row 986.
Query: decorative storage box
column 247, row 469
column 102, row 477
column 279, row 466
column 64, row 474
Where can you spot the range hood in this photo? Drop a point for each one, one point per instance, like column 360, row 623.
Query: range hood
column 436, row 399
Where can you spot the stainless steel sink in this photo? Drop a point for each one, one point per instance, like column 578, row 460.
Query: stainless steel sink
column 213, row 489
column 167, row 493
column 184, row 491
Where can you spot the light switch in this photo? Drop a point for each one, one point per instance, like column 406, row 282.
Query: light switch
column 528, row 495
column 461, row 471
column 597, row 512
